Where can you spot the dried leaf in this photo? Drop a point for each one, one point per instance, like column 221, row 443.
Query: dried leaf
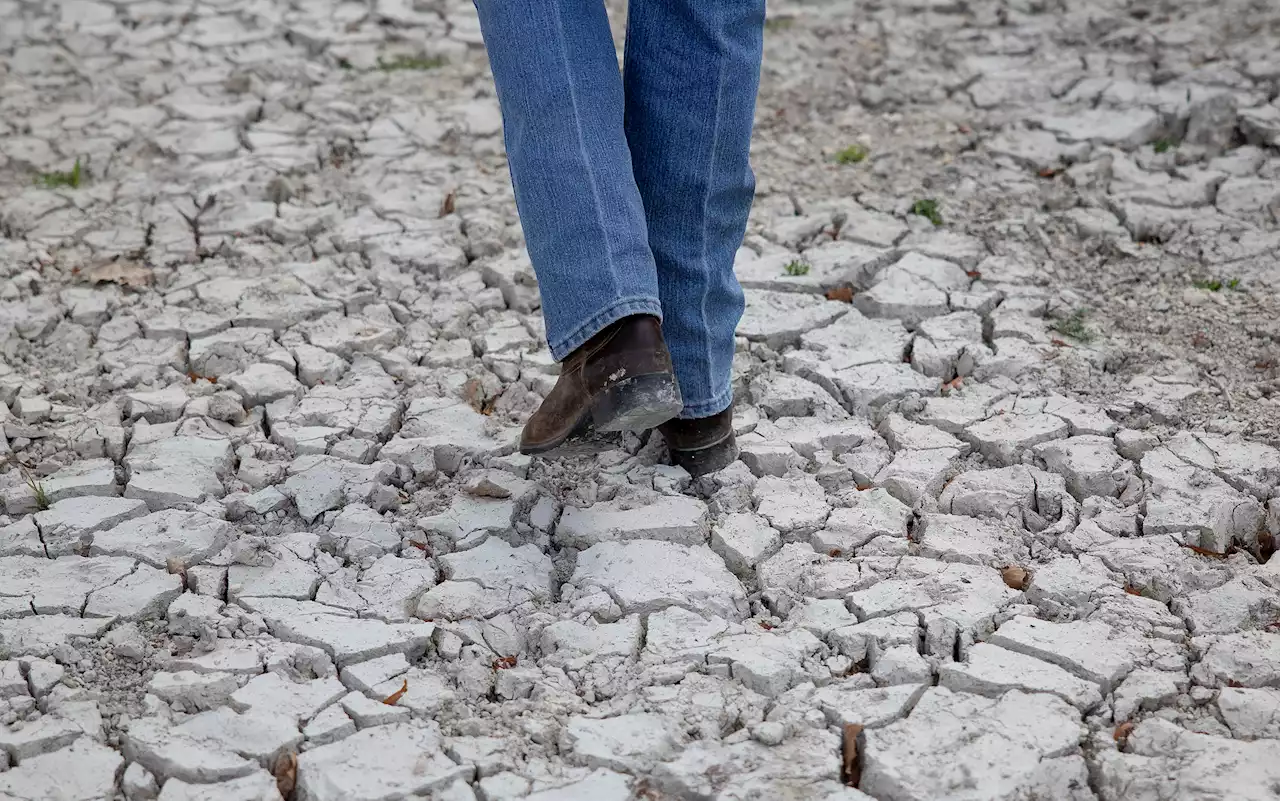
column 390, row 700
column 974, row 274
column 1015, row 577
column 835, row 553
column 473, row 392
column 850, row 770
column 766, row 625
column 844, row 294
column 504, row 663
column 1121, row 734
column 1058, row 343
column 1047, row 172
column 286, row 772
column 446, row 208
column 1266, row 546
column 421, row 546
column 1204, row 551
column 862, row 487
column 1130, row 589
column 122, row 272
column 954, row 383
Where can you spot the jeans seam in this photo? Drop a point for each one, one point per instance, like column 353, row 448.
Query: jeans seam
column 582, row 145
column 710, row 407
column 706, row 238
column 622, row 307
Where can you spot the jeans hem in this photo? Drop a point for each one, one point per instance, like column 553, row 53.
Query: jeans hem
column 624, row 307
column 708, row 408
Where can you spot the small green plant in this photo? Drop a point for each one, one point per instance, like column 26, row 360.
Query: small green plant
column 927, row 208
column 1216, row 284
column 37, row 489
column 412, row 63
column 852, row 154
column 57, row 178
column 1074, row 326
column 1164, row 145
column 42, row 499
column 796, row 268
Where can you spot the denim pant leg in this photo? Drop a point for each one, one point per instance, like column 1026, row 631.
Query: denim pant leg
column 691, row 74
column 556, row 71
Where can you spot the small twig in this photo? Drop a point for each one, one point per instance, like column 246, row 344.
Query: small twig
column 1222, row 387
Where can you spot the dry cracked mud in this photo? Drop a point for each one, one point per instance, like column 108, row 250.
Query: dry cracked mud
column 1008, row 490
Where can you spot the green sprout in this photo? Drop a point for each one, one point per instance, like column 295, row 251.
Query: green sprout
column 796, row 268
column 58, row 178
column 852, row 154
column 1216, row 284
column 1074, row 326
column 927, row 208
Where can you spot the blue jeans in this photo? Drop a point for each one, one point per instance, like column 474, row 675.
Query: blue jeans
column 634, row 188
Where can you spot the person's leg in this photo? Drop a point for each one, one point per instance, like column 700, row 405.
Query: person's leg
column 556, row 71
column 691, row 73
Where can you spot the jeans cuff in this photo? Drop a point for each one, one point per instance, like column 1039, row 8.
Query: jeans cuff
column 623, row 307
column 708, row 408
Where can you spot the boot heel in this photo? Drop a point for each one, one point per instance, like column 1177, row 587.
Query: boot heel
column 706, row 460
column 637, row 403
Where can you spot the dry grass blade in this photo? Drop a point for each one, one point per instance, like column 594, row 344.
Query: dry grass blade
column 850, row 769
column 391, row 700
column 1204, row 551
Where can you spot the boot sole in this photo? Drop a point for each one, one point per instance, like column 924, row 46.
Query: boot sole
column 636, row 403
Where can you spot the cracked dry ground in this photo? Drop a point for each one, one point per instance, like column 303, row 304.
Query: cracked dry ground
column 267, row 349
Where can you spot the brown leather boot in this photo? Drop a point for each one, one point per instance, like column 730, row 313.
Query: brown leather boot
column 619, row 380
column 704, row 445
